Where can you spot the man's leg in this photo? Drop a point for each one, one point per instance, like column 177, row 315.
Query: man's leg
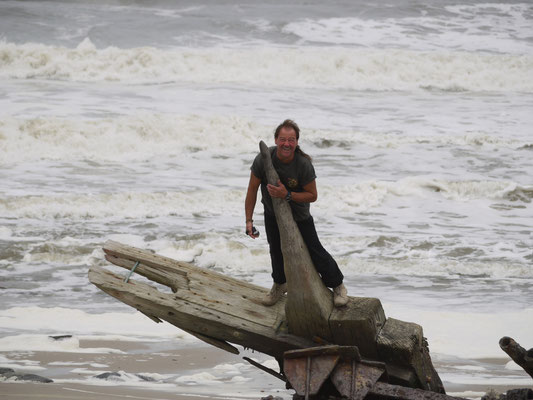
column 324, row 263
column 276, row 256
column 274, row 242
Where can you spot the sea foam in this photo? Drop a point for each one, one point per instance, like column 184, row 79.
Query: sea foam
column 501, row 28
column 125, row 138
column 145, row 136
column 339, row 199
column 30, row 342
column 302, row 67
column 61, row 321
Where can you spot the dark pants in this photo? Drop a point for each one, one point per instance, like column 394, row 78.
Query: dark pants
column 324, row 263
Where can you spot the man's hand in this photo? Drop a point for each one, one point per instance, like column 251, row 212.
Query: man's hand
column 278, row 191
column 249, row 229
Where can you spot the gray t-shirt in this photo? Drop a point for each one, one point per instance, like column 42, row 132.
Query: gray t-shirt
column 295, row 175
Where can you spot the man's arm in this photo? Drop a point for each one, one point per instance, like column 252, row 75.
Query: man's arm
column 309, row 195
column 249, row 203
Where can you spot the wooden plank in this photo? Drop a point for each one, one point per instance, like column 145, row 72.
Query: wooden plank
column 179, row 269
column 205, row 288
column 309, row 302
column 358, row 324
column 402, row 344
column 161, row 276
column 195, row 317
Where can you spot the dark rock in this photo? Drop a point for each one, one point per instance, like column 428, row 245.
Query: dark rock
column 493, row 395
column 7, row 372
column 114, row 375
column 107, row 375
column 270, row 397
column 60, row 337
column 145, row 378
column 519, row 394
column 33, row 378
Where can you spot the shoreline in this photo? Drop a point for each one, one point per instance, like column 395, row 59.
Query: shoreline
column 178, row 370
column 142, row 370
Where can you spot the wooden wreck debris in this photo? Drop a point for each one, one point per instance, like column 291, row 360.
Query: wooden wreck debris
column 309, row 303
column 518, row 354
column 222, row 311
column 358, row 323
column 208, row 304
column 403, row 345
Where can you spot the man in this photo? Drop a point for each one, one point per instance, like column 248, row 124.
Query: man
column 297, row 186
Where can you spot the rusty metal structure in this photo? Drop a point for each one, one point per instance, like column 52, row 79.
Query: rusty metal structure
column 335, row 372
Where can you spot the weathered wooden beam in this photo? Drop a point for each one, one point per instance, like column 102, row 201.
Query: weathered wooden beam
column 309, row 303
column 199, row 285
column 191, row 314
column 402, row 345
column 358, row 324
column 518, row 354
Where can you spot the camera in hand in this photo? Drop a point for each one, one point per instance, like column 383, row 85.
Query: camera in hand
column 255, row 232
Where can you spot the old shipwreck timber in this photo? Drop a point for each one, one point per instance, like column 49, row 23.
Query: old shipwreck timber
column 519, row 355
column 361, row 351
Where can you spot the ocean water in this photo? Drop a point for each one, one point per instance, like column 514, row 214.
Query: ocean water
column 138, row 122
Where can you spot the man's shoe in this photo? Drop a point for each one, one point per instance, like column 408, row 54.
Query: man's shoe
column 278, row 289
column 340, row 296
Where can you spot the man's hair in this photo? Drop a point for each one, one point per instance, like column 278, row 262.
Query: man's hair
column 290, row 124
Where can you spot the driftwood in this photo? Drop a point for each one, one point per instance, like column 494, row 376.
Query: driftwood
column 223, row 311
column 518, row 354
column 309, row 302
column 215, row 308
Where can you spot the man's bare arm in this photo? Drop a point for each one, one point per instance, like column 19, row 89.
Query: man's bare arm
column 309, row 195
column 249, row 202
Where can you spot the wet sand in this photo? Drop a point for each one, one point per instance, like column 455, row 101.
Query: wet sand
column 73, row 373
column 162, row 364
column 79, row 391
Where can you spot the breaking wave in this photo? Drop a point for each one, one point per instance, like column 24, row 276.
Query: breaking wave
column 309, row 67
column 147, row 135
column 122, row 205
column 501, row 28
column 126, row 138
column 467, row 190
column 337, row 199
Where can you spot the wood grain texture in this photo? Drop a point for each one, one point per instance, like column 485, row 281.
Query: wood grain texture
column 402, row 344
column 198, row 285
column 192, row 315
column 358, row 323
column 221, row 310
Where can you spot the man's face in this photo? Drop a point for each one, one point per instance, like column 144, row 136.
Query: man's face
column 286, row 143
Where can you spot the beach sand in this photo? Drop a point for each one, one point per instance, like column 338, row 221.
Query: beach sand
column 159, row 370
column 204, row 373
